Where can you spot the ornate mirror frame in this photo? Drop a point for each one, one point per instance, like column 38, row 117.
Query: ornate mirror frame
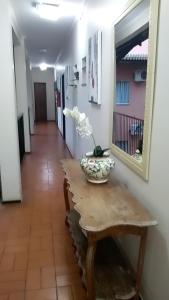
column 141, row 169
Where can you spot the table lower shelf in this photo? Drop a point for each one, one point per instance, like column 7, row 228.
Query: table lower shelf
column 113, row 277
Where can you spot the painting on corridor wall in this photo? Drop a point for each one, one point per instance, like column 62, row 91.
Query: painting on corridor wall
column 95, row 67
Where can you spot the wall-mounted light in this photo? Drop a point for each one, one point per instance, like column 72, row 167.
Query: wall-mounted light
column 43, row 66
column 60, row 68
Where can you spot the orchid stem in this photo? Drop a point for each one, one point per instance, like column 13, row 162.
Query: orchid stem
column 94, row 140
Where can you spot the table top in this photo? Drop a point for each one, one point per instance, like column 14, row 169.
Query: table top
column 102, row 206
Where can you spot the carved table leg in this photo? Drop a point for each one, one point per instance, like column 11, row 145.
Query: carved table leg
column 90, row 270
column 140, row 262
column 65, row 189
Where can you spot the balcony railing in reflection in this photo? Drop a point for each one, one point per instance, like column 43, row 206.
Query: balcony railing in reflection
column 127, row 132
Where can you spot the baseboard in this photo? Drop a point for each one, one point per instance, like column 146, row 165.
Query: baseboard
column 68, row 150
column 11, row 202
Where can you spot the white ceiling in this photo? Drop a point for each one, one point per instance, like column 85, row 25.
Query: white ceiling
column 42, row 34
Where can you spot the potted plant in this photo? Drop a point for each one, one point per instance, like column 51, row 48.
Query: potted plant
column 96, row 164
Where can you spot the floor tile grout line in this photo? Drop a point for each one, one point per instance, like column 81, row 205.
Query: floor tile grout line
column 50, row 159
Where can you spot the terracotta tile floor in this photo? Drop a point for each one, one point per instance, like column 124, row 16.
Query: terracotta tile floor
column 37, row 259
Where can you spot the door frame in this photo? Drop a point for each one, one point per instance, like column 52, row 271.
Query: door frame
column 63, row 107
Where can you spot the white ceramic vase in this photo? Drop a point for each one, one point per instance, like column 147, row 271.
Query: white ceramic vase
column 97, row 169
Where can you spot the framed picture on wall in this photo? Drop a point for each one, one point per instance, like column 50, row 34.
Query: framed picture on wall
column 68, row 80
column 95, row 67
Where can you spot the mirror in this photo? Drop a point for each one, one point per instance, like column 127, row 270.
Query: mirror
column 135, row 34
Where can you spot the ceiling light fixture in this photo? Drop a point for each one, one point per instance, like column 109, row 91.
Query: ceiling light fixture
column 47, row 11
column 43, row 50
column 43, row 66
column 57, row 10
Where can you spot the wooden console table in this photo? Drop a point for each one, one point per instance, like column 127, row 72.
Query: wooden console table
column 96, row 214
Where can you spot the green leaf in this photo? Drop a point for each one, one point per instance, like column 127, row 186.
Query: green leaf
column 98, row 151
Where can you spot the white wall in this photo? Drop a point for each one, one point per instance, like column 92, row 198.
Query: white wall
column 69, row 58
column 9, row 152
column 98, row 14
column 154, row 193
column 48, row 78
column 22, row 89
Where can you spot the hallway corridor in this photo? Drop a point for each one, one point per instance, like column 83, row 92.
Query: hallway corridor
column 37, row 259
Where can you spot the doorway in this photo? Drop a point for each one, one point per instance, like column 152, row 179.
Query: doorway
column 63, row 106
column 40, row 102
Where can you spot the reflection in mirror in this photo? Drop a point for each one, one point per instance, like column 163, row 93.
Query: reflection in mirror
column 131, row 45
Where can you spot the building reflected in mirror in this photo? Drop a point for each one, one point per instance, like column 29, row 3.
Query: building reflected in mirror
column 131, row 72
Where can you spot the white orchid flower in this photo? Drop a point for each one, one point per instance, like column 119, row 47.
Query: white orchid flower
column 83, row 126
column 82, row 117
column 67, row 112
column 75, row 113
